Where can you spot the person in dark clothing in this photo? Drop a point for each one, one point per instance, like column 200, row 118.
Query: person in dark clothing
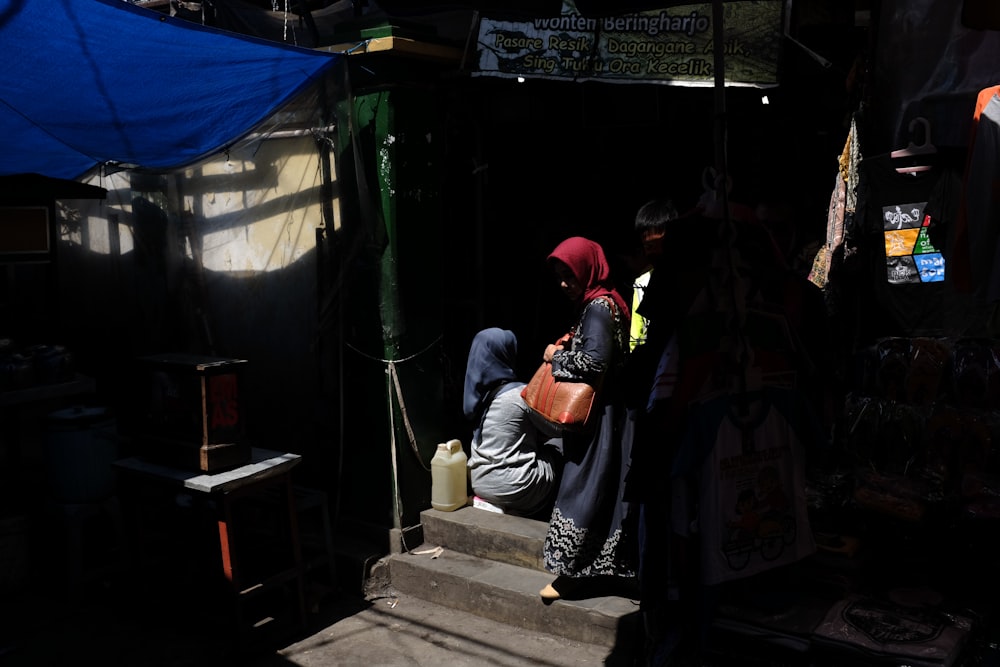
column 697, row 346
column 589, row 539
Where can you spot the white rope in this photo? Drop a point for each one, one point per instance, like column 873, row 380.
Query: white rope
column 397, row 512
column 386, row 361
column 284, row 35
column 402, row 410
column 398, row 391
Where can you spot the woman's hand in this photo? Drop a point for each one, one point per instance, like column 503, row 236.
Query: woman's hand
column 550, row 350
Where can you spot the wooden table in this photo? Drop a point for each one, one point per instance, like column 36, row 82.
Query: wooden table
column 267, row 469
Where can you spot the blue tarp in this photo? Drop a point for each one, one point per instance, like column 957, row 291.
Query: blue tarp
column 89, row 82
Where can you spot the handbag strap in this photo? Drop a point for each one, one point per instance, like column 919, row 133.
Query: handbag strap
column 611, row 303
column 567, row 337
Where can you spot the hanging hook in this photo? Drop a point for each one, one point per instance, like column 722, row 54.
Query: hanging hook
column 914, row 150
column 926, row 125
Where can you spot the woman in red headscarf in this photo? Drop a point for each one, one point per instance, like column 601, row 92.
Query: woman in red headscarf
column 589, row 539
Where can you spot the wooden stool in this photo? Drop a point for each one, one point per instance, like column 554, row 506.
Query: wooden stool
column 226, row 495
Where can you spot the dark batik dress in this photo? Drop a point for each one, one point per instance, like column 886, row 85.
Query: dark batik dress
column 589, row 532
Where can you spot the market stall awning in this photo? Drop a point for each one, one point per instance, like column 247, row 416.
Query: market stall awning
column 528, row 8
column 103, row 81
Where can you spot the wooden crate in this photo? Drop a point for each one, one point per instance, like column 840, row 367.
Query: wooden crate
column 188, row 411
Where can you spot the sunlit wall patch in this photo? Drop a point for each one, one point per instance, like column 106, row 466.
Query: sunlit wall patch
column 910, row 257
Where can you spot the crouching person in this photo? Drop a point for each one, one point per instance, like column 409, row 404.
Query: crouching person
column 515, row 455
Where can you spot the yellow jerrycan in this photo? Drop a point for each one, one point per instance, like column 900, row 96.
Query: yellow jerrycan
column 449, row 477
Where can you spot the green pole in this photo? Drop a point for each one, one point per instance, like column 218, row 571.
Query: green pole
column 390, row 312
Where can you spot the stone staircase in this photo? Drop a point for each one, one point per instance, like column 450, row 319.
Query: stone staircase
column 490, row 565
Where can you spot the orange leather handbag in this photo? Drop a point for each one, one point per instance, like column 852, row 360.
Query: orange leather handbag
column 567, row 404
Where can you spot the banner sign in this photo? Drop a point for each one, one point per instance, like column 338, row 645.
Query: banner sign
column 673, row 46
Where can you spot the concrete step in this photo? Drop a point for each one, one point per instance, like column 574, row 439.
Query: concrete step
column 490, row 565
column 509, row 594
column 477, row 532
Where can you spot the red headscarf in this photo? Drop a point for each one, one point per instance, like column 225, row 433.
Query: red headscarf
column 586, row 260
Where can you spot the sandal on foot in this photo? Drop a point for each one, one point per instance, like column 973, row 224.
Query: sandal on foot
column 559, row 588
column 549, row 593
